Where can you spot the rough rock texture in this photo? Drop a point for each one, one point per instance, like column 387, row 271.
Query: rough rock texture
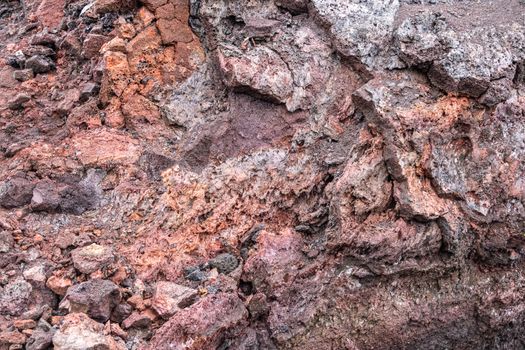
column 264, row 174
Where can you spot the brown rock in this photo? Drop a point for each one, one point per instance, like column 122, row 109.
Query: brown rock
column 50, row 12
column 24, row 324
column 182, row 10
column 12, row 338
column 92, row 45
column 166, row 11
column 153, row 4
column 137, row 302
column 147, row 40
column 172, row 31
column 137, row 320
column 119, row 332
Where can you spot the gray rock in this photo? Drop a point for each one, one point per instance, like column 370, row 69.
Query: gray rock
column 23, row 74
column 6, row 241
column 15, row 297
column 89, row 90
column 360, row 29
column 469, row 67
column 422, row 38
column 40, row 339
column 40, row 64
column 19, row 101
column 121, row 312
column 16, row 192
column 224, row 263
column 97, row 298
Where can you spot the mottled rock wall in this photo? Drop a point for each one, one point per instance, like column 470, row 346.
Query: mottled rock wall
column 266, row 174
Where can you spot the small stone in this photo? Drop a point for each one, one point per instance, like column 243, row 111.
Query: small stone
column 40, row 339
column 92, row 45
column 137, row 302
column 6, row 241
column 116, row 45
column 40, row 64
column 36, row 274
column 45, row 39
column 19, row 101
column 119, row 332
column 24, row 324
column 17, row 60
column 97, row 298
column 89, row 90
column 224, row 263
column 121, row 312
column 170, row 297
column 258, row 306
column 195, row 274
column 23, row 74
column 137, row 320
column 92, row 258
column 58, row 285
column 104, row 6
column 15, row 297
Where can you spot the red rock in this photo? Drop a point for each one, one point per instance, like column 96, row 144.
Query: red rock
column 112, row 148
column 153, row 4
column 136, row 301
column 205, row 322
column 12, row 338
column 166, row 11
column 24, row 324
column 172, row 31
column 50, row 12
column 58, row 285
column 92, row 45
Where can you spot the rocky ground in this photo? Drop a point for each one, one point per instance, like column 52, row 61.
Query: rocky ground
column 263, row 174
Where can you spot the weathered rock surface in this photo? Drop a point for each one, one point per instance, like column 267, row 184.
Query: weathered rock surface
column 277, row 174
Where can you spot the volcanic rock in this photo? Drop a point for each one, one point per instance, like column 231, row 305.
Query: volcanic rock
column 97, row 298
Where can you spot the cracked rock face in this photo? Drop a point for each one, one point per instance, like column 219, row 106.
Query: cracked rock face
column 265, row 174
